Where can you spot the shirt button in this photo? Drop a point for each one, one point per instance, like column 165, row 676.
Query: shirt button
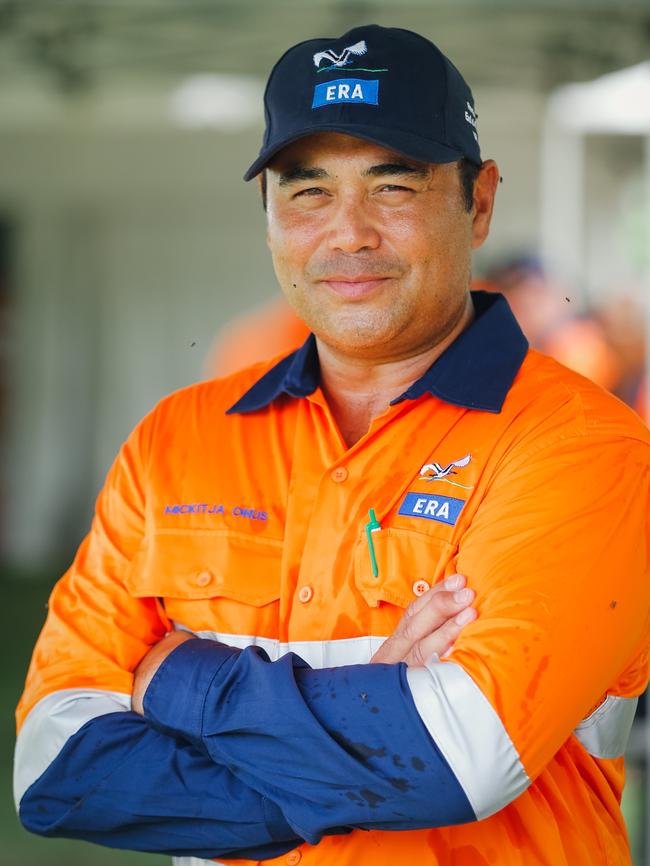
column 293, row 857
column 339, row 474
column 306, row 594
column 203, row 578
column 420, row 587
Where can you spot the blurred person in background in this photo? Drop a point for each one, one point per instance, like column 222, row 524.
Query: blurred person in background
column 267, row 330
column 641, row 399
column 605, row 342
column 389, row 582
column 623, row 321
column 544, row 310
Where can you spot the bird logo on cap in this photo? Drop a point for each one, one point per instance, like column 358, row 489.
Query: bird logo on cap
column 342, row 59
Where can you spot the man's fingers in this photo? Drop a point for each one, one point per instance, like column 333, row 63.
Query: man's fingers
column 442, row 639
column 423, row 617
column 449, row 584
column 439, row 607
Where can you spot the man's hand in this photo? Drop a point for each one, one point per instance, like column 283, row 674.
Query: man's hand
column 430, row 624
column 145, row 671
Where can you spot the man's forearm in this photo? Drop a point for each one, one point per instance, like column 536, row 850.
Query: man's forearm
column 120, row 783
column 332, row 747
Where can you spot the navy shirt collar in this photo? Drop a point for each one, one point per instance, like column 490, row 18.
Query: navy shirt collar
column 475, row 371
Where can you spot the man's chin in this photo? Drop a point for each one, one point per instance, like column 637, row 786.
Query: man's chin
column 361, row 339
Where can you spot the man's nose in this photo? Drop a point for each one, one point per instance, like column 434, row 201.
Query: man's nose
column 351, row 229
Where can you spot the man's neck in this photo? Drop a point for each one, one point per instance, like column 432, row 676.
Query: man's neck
column 358, row 390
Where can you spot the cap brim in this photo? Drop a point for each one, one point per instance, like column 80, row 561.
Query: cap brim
column 413, row 146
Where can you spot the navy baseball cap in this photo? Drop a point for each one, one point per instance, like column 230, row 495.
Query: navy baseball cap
column 389, row 86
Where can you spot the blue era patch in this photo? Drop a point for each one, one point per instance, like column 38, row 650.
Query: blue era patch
column 444, row 509
column 346, row 90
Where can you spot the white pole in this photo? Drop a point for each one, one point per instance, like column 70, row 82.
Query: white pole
column 562, row 196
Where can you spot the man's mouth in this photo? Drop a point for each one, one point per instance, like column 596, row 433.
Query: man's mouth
column 356, row 287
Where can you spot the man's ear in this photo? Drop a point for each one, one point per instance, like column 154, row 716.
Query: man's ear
column 485, row 189
column 261, row 185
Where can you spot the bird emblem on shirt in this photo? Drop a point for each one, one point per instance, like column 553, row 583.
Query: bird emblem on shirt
column 436, row 472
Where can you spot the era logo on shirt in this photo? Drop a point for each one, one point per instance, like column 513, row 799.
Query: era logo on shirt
column 346, row 90
column 444, row 509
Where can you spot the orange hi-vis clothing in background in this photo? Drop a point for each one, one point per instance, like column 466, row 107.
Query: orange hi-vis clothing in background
column 236, row 511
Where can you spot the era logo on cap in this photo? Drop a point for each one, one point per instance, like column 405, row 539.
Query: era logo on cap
column 346, row 90
column 444, row 509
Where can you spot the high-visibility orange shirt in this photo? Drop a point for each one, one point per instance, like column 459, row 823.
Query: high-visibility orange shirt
column 236, row 511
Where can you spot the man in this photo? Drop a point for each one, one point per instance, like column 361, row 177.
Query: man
column 304, row 504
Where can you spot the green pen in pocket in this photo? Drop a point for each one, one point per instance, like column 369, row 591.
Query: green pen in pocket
column 372, row 526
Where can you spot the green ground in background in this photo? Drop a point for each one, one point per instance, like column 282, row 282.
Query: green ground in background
column 21, row 616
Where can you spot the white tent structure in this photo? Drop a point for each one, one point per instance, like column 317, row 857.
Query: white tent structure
column 615, row 104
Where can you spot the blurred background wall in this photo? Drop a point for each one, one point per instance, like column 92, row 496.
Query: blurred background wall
column 128, row 239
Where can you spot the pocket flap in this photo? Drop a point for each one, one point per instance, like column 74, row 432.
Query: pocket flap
column 404, row 559
column 207, row 564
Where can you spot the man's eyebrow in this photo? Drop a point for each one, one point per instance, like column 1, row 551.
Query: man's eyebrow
column 397, row 169
column 301, row 172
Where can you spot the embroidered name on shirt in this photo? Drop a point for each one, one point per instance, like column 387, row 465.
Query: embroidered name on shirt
column 444, row 509
column 216, row 510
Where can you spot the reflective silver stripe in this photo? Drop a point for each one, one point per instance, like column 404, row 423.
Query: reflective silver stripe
column 605, row 732
column 317, row 653
column 481, row 754
column 50, row 724
column 194, row 861
column 470, row 735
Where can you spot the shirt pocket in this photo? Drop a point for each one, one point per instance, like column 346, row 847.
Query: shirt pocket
column 217, row 581
column 408, row 563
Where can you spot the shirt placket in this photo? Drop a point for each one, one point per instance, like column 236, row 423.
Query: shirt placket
column 331, row 492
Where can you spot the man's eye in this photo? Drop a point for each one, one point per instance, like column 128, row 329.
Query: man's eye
column 312, row 190
column 393, row 187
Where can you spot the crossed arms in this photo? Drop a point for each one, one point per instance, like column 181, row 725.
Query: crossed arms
column 239, row 756
column 160, row 784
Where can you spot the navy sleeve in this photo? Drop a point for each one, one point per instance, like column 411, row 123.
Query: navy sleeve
column 119, row 782
column 334, row 747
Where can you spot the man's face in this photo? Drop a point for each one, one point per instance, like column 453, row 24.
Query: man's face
column 372, row 249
